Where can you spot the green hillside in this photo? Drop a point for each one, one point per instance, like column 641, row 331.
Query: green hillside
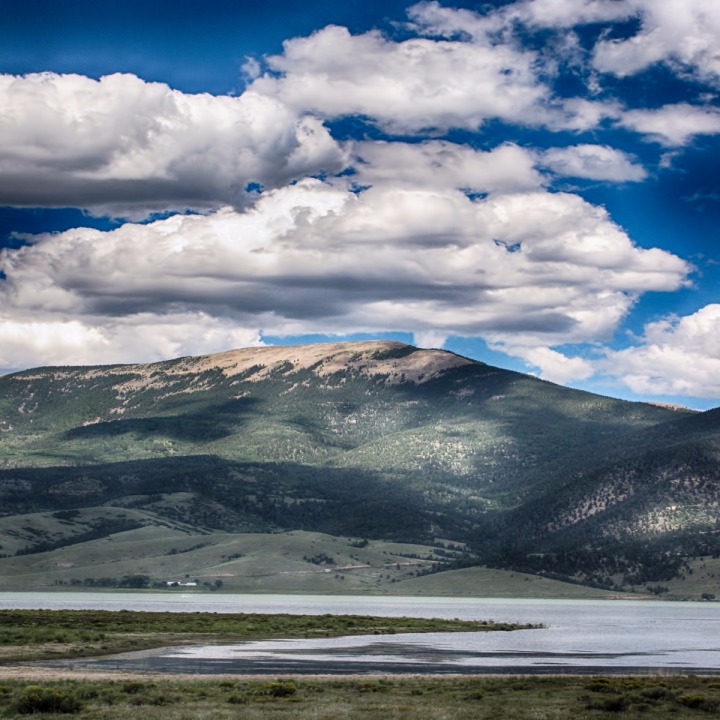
column 376, row 441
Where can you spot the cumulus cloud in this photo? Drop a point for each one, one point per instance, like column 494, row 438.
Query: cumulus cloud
column 145, row 337
column 434, row 238
column 682, row 34
column 429, row 339
column 442, row 164
column 594, row 162
column 466, row 70
column 678, row 356
column 673, row 125
column 536, row 267
column 552, row 365
column 432, row 18
column 125, row 146
column 567, row 13
column 685, row 34
column 405, row 87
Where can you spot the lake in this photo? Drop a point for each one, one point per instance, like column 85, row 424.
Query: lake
column 582, row 636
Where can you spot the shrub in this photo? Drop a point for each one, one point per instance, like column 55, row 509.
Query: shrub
column 281, row 688
column 39, row 699
column 151, row 698
column 132, row 686
column 238, row 699
column 657, row 692
column 601, row 684
column 614, row 704
column 698, row 702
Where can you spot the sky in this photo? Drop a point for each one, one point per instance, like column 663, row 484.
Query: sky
column 531, row 183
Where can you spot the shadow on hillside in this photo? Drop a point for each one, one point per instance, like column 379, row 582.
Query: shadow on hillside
column 213, row 423
column 268, row 496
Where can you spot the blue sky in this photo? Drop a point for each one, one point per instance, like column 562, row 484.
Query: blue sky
column 530, row 183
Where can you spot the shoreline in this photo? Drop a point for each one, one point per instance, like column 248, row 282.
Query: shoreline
column 46, row 673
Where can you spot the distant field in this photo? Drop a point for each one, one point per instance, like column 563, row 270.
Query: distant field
column 491, row 583
column 291, row 562
column 701, row 580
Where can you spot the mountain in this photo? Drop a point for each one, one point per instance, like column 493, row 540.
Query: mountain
column 374, row 442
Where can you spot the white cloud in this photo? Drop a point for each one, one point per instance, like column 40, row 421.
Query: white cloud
column 477, row 70
column 408, row 86
column 553, row 365
column 145, row 337
column 673, row 125
column 406, row 243
column 683, row 33
column 432, row 18
column 595, row 162
column 579, row 114
column 567, row 13
column 532, row 268
column 445, row 165
column 429, row 339
column 678, row 356
column 125, row 146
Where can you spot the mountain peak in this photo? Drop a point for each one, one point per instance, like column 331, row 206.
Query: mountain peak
column 394, row 362
column 397, row 361
column 351, row 439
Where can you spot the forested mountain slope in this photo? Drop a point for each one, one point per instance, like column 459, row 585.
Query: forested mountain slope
column 373, row 440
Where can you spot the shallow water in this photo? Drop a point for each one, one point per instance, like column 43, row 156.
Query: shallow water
column 580, row 636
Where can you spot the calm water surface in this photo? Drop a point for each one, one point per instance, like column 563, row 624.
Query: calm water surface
column 581, row 636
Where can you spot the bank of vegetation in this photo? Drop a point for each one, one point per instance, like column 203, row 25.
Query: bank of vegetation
column 41, row 634
column 479, row 698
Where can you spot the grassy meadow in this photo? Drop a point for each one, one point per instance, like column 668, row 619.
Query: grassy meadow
column 459, row 698
column 290, row 562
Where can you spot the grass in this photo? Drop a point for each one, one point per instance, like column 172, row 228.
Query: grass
column 702, row 578
column 42, row 634
column 258, row 563
column 491, row 583
column 459, row 698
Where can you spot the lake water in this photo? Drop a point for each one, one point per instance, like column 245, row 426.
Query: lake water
column 581, row 636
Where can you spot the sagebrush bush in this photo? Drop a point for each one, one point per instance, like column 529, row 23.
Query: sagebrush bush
column 698, row 702
column 657, row 692
column 39, row 699
column 281, row 688
column 131, row 687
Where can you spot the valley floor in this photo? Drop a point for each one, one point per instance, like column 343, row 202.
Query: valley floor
column 29, row 688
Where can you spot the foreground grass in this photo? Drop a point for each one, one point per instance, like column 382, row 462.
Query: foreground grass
column 42, row 634
column 519, row 698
